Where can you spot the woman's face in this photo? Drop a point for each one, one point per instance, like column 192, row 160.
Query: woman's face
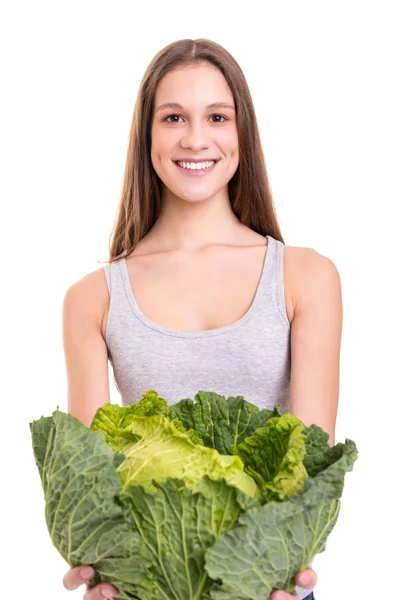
column 195, row 131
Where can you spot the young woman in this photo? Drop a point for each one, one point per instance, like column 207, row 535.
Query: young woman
column 200, row 292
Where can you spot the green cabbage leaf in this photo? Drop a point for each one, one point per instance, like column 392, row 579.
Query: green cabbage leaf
column 210, row 499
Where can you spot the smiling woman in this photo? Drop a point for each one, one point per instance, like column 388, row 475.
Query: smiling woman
column 200, row 291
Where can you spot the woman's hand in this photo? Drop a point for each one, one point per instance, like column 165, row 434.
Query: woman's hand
column 306, row 579
column 73, row 578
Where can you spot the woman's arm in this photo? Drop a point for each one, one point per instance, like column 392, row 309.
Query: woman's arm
column 84, row 347
column 316, row 332
column 88, row 385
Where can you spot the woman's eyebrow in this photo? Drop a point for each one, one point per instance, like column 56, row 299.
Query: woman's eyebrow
column 178, row 106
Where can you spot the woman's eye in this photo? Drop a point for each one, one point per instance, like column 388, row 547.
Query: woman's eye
column 169, row 117
column 222, row 117
column 174, row 115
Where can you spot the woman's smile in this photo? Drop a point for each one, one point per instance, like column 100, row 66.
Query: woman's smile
column 195, row 171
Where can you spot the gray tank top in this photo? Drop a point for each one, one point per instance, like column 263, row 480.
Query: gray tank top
column 249, row 358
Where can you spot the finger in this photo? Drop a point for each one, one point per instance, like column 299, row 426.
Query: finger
column 307, row 578
column 100, row 592
column 280, row 595
column 75, row 577
column 323, row 549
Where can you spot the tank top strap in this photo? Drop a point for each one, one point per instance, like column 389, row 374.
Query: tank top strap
column 272, row 282
column 107, row 273
column 113, row 277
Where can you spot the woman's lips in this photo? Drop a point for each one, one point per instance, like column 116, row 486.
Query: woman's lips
column 196, row 172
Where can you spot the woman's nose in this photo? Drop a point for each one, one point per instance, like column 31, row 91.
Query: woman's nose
column 196, row 136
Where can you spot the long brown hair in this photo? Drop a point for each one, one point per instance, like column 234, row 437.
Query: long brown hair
column 249, row 189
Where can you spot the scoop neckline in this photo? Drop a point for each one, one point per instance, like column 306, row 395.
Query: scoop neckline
column 203, row 332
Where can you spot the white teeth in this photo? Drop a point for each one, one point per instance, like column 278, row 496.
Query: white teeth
column 196, row 166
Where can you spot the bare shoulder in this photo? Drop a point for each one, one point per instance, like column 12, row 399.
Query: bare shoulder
column 91, row 292
column 304, row 270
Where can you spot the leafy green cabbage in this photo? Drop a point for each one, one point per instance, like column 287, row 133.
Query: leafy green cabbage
column 206, row 500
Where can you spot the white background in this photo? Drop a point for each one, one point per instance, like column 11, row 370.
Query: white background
column 324, row 80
